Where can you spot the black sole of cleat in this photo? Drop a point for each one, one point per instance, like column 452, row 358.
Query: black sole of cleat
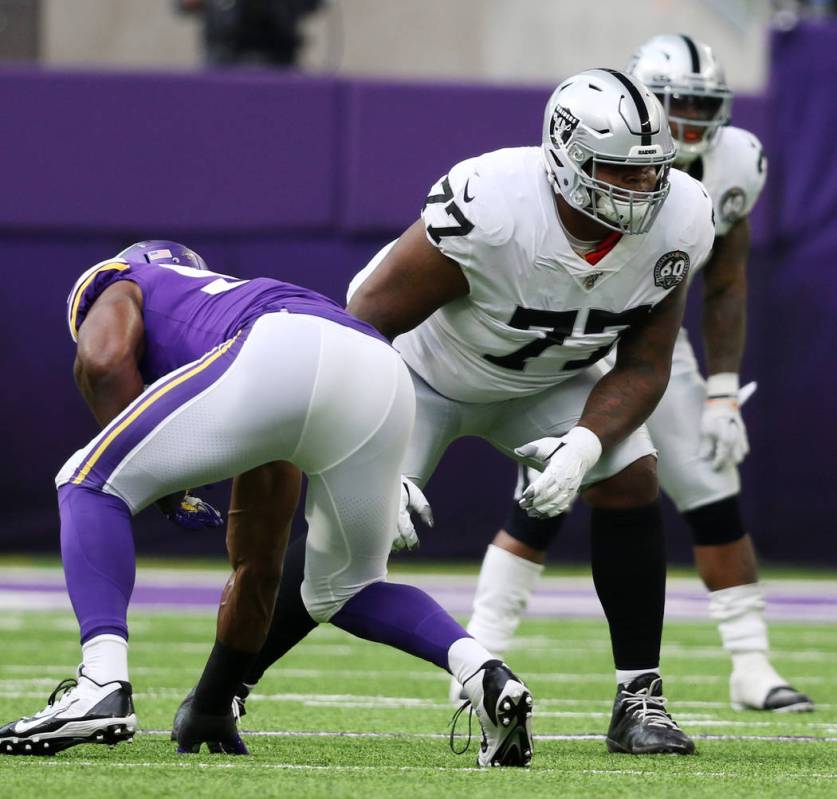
column 233, row 747
column 47, row 747
column 516, row 749
column 796, row 707
column 617, row 749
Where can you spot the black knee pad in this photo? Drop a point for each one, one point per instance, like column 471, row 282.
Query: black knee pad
column 536, row 533
column 716, row 523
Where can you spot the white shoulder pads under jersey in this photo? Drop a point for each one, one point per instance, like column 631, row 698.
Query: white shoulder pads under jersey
column 467, row 214
column 734, row 173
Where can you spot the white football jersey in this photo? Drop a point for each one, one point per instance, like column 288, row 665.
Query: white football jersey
column 733, row 174
column 537, row 312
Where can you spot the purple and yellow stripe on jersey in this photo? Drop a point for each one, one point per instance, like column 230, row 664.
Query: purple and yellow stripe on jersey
column 152, row 408
column 87, row 288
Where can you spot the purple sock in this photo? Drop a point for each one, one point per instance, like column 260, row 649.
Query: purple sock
column 401, row 616
column 97, row 548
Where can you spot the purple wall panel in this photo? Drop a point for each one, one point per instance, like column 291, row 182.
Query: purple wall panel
column 249, row 151
column 802, row 85
column 401, row 138
column 751, row 113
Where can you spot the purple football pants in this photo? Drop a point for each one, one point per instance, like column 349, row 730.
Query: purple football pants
column 97, row 547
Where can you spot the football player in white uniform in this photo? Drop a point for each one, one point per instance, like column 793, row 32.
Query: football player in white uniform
column 697, row 427
column 525, row 268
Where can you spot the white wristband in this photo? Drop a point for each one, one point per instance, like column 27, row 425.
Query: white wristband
column 722, row 384
column 588, row 444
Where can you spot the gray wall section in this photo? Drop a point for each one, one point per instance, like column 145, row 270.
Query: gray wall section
column 304, row 179
column 523, row 41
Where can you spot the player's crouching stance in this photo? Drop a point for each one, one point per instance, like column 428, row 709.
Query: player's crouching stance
column 697, row 426
column 251, row 378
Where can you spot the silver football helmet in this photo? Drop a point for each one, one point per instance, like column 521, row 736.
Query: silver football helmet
column 688, row 79
column 601, row 116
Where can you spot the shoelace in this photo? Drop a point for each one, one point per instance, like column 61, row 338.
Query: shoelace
column 62, row 688
column 467, row 703
column 238, row 709
column 452, row 725
column 651, row 709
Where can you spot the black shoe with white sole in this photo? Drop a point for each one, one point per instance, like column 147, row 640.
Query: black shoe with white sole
column 641, row 725
column 503, row 706
column 79, row 711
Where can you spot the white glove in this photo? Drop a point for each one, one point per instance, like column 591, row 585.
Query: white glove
column 722, row 430
column 565, row 461
column 412, row 500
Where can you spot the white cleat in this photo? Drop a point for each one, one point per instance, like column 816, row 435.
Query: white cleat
column 78, row 711
column 504, row 708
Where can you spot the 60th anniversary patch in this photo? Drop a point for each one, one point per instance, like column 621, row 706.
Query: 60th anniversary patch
column 671, row 269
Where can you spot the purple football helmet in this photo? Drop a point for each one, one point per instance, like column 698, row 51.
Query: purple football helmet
column 168, row 251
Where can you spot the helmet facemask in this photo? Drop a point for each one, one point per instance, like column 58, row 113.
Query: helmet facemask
column 710, row 112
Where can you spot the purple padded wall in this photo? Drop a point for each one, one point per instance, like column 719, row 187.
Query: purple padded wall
column 245, row 152
column 402, row 137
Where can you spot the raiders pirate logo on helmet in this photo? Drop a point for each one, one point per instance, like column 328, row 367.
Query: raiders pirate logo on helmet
column 562, row 125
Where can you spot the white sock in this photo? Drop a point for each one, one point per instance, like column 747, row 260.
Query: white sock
column 465, row 657
column 625, row 676
column 739, row 612
column 105, row 658
column 750, row 662
column 506, row 582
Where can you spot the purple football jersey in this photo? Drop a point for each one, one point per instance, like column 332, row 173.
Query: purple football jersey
column 188, row 311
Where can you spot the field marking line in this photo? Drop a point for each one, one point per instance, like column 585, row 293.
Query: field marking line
column 16, row 684
column 251, row 765
column 429, row 675
column 804, row 739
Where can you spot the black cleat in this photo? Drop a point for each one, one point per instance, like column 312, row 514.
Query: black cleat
column 79, row 711
column 503, row 706
column 641, row 725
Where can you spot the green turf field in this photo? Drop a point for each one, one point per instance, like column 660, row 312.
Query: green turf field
column 344, row 718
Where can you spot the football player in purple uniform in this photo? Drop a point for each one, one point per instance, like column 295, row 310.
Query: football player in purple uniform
column 257, row 378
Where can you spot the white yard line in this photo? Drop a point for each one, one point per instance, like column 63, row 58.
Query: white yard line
column 244, row 764
column 277, row 674
column 804, row 739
